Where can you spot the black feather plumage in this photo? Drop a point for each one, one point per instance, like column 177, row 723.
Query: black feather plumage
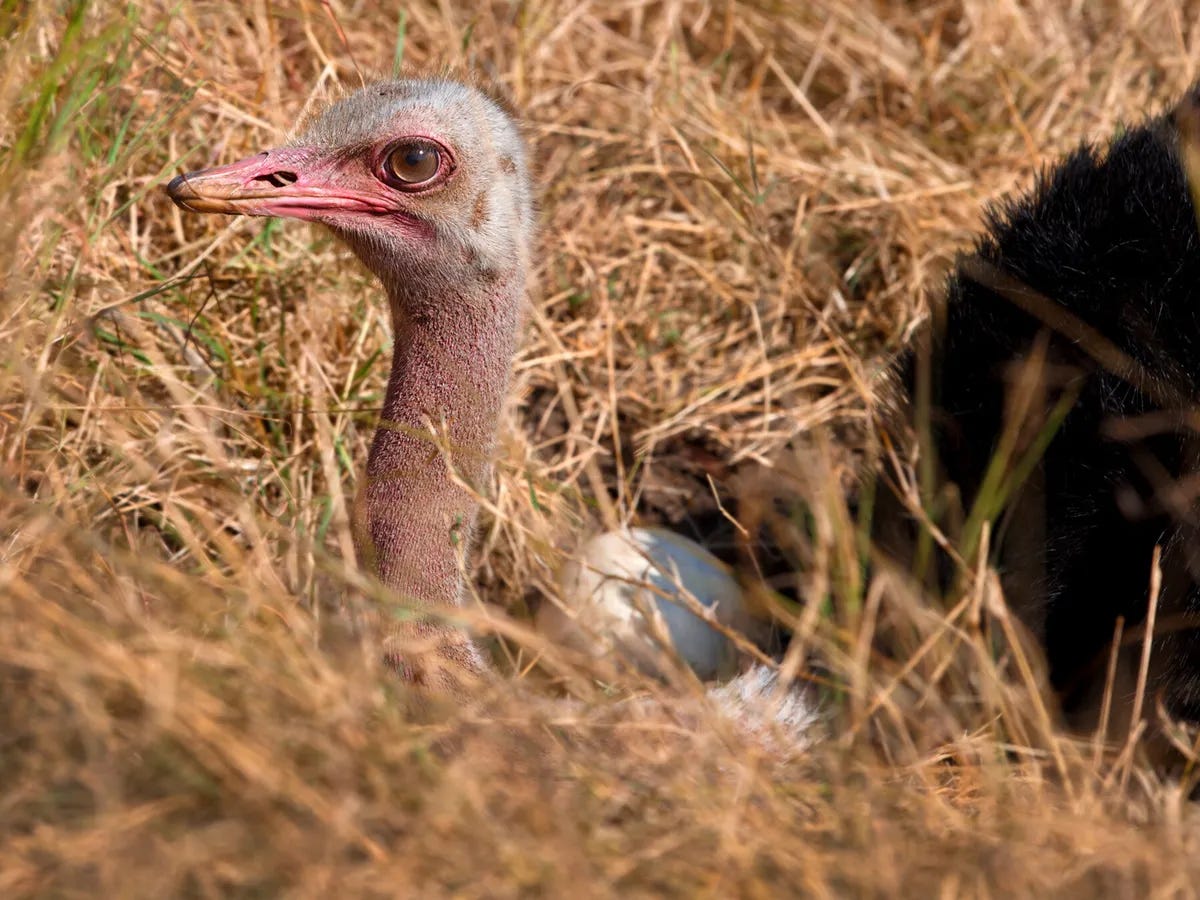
column 1092, row 278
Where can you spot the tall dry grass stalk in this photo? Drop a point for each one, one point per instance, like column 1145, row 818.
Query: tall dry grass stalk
column 744, row 207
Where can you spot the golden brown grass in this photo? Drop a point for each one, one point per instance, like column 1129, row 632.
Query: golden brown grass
column 744, row 205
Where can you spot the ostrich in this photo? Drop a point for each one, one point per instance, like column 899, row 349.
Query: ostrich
column 428, row 184
column 1058, row 386
column 1070, row 338
column 1077, row 319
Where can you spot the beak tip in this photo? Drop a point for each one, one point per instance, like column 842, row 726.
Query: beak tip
column 179, row 191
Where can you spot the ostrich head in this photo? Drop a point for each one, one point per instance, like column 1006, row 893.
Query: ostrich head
column 426, row 181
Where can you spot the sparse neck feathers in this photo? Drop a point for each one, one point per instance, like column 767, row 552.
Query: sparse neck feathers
column 453, row 347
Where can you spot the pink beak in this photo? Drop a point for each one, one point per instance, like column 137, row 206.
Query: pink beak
column 282, row 182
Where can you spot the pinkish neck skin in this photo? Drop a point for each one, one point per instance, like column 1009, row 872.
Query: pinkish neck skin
column 450, row 370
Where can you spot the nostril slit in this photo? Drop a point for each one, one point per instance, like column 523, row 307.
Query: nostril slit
column 278, row 179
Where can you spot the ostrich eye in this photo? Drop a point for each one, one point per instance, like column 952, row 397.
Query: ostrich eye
column 413, row 162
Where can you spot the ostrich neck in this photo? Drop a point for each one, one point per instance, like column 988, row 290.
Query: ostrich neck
column 450, row 367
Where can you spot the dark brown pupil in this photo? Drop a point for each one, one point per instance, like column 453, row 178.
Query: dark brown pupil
column 413, row 163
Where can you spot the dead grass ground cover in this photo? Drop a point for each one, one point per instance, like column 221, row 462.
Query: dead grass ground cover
column 744, row 206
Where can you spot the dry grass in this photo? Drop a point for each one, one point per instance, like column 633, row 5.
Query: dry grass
column 744, row 206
